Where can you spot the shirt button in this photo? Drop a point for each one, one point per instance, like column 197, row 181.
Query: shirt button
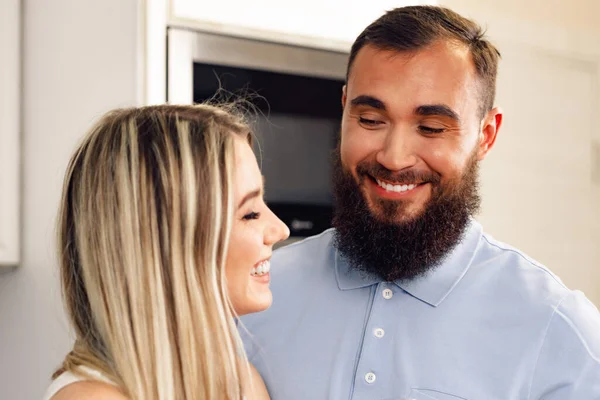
column 370, row 377
column 387, row 294
column 379, row 333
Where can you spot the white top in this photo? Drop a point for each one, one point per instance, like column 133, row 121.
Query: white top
column 68, row 377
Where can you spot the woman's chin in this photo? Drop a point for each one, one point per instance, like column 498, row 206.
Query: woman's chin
column 259, row 302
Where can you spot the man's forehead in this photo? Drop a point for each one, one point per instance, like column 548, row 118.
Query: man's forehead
column 440, row 73
column 444, row 56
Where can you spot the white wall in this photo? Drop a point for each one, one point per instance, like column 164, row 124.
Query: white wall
column 578, row 14
column 80, row 59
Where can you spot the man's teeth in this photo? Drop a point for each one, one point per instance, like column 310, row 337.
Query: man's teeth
column 396, row 188
column 261, row 269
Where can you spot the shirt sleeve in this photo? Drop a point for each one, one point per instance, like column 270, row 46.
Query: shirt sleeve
column 568, row 366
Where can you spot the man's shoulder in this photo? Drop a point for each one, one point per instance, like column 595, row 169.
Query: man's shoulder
column 569, row 352
column 535, row 292
column 530, row 281
column 578, row 315
column 313, row 250
column 518, row 269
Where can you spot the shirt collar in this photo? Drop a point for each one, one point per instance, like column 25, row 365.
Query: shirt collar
column 433, row 287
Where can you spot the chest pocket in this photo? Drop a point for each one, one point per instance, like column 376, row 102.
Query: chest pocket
column 428, row 394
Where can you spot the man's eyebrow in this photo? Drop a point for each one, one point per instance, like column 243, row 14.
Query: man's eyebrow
column 437, row 109
column 366, row 100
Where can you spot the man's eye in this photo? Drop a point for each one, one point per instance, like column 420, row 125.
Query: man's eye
column 369, row 122
column 428, row 129
column 251, row 215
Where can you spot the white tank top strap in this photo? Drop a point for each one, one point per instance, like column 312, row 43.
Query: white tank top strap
column 68, row 377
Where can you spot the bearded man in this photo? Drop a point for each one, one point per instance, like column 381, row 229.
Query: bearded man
column 407, row 297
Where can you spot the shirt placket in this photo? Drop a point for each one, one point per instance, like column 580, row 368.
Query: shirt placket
column 371, row 374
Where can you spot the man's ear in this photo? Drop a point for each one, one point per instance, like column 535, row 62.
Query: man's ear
column 489, row 132
column 344, row 97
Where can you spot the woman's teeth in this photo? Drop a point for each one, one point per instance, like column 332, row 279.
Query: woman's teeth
column 261, row 269
column 396, row 188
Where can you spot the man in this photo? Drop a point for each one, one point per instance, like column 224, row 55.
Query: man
column 407, row 298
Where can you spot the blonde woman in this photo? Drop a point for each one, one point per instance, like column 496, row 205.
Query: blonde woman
column 164, row 239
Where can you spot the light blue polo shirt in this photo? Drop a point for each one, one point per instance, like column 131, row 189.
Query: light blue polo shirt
column 487, row 324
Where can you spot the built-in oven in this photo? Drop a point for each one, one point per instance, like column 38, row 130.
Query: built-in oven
column 297, row 93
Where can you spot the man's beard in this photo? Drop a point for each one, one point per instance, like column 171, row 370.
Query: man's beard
column 379, row 242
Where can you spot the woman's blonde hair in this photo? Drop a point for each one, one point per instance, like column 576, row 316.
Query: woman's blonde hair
column 143, row 231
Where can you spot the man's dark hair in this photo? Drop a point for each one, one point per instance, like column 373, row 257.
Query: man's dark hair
column 414, row 27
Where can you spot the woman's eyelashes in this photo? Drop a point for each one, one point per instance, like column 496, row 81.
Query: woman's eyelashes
column 251, row 215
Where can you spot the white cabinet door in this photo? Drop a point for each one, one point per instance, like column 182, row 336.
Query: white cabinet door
column 538, row 184
column 320, row 23
column 9, row 131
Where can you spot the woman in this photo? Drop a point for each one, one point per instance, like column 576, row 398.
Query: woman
column 164, row 239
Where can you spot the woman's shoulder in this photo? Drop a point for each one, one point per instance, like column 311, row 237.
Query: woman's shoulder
column 89, row 390
column 89, row 385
